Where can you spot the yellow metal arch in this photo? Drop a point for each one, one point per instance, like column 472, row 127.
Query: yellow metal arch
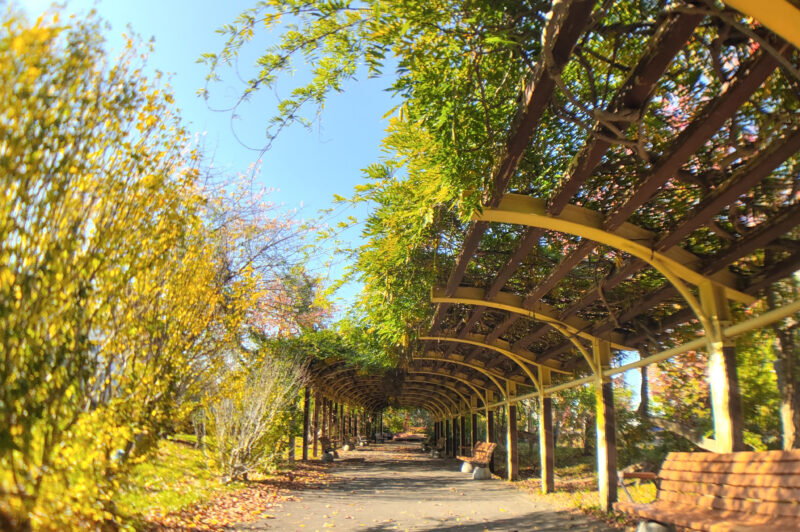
column 448, row 406
column 471, row 340
column 778, row 15
column 500, row 387
column 439, row 392
column 459, row 379
column 433, row 407
column 543, row 312
column 419, row 403
column 463, row 398
column 579, row 221
column 337, row 390
column 433, row 402
column 441, row 384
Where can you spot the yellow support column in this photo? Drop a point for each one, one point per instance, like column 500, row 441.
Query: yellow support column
column 490, row 437
column 546, row 447
column 726, row 402
column 512, row 453
column 606, row 427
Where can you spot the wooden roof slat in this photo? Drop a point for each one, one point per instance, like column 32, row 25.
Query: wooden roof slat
column 758, row 238
column 438, row 316
column 753, row 171
column 707, row 122
column 564, row 28
column 560, row 271
column 774, row 273
column 527, row 243
column 532, row 336
column 473, row 239
column 668, row 40
column 562, row 33
column 745, row 177
column 503, row 327
column 781, row 223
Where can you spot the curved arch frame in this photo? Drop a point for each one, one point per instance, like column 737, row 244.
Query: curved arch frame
column 466, row 295
column 518, row 360
column 500, row 388
column 337, row 389
column 579, row 221
column 439, row 384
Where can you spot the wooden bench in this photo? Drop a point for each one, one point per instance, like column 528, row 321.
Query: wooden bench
column 326, row 445
column 441, row 443
column 481, row 455
column 725, row 492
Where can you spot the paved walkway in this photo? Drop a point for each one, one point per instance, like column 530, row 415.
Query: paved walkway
column 396, row 487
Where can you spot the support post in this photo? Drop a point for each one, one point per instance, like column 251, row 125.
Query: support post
column 454, row 442
column 341, row 425
column 306, row 405
column 606, row 427
column 325, row 432
column 380, row 424
column 474, row 427
column 511, row 443
column 463, row 434
column 336, row 425
column 447, row 436
column 726, row 401
column 490, row 434
column 316, row 424
column 546, row 447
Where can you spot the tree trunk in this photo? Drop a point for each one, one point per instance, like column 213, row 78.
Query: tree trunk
column 788, row 375
column 588, row 428
column 644, row 392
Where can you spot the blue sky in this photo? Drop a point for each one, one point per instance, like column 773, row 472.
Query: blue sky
column 305, row 168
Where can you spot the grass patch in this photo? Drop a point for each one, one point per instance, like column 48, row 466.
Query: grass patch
column 175, row 477
column 576, row 487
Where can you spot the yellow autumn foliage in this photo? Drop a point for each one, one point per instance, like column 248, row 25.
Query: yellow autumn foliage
column 116, row 297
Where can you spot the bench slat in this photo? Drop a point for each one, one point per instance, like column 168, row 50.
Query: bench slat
column 768, row 494
column 757, row 468
column 710, row 502
column 704, row 519
column 734, row 479
column 743, row 456
column 751, row 491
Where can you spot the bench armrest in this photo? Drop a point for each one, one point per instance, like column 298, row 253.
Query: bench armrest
column 641, row 475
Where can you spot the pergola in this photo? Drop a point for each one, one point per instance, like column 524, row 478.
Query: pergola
column 510, row 323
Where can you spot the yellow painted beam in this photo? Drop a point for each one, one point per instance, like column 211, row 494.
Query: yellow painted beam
column 425, row 402
column 441, row 385
column 779, row 16
column 519, row 361
column 421, row 380
column 463, row 381
column 447, row 403
column 489, row 375
column 586, row 223
column 513, row 303
column 501, row 347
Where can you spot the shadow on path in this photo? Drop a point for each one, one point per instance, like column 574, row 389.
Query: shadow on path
column 397, row 487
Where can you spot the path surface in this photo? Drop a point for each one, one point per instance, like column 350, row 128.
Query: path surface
column 396, row 487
